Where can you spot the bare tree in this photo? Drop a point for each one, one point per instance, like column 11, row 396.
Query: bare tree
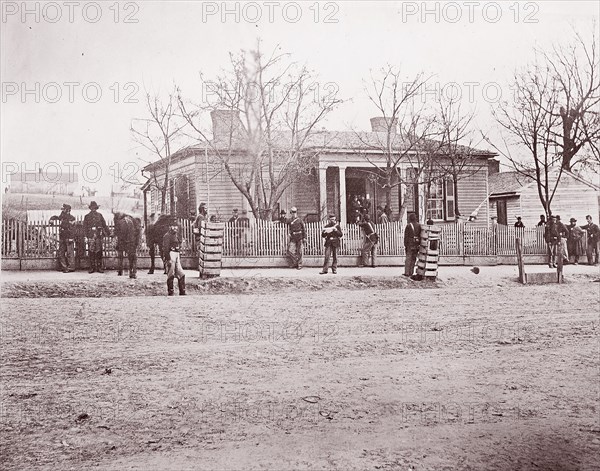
column 457, row 153
column 271, row 127
column 406, row 134
column 157, row 133
column 530, row 122
column 575, row 97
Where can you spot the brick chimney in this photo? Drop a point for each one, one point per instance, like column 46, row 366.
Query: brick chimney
column 493, row 166
column 380, row 124
column 226, row 125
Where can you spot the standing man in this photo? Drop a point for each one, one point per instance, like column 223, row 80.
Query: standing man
column 66, row 239
column 297, row 239
column 197, row 225
column 382, row 218
column 171, row 248
column 234, row 217
column 552, row 238
column 332, row 233
column 542, row 221
column 412, row 241
column 575, row 241
column 282, row 217
column 244, row 223
column 519, row 224
column 593, row 240
column 369, row 248
column 564, row 234
column 95, row 228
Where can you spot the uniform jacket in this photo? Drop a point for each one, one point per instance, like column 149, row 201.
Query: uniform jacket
column 171, row 242
column 412, row 235
column 593, row 232
column 297, row 229
column 66, row 228
column 551, row 233
column 369, row 231
column 94, row 225
column 332, row 239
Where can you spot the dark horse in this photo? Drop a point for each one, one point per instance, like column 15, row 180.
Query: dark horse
column 128, row 231
column 154, row 236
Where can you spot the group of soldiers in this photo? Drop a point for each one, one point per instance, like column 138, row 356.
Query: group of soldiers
column 94, row 229
column 566, row 241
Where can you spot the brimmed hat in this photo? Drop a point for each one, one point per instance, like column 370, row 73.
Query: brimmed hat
column 93, row 205
column 293, row 209
column 572, row 220
column 66, row 207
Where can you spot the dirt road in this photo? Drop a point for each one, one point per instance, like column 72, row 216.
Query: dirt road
column 373, row 375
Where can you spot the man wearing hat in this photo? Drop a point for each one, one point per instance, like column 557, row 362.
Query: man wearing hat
column 66, row 239
column 593, row 240
column 574, row 241
column 94, row 228
column 297, row 238
column 202, row 216
column 282, row 217
column 552, row 238
column 171, row 248
column 332, row 233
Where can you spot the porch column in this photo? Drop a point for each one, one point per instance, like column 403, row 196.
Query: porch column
column 322, row 192
column 343, row 195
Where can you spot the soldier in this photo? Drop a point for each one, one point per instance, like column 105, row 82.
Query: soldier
column 593, row 240
column 519, row 224
column 95, row 228
column 552, row 238
column 171, row 248
column 332, row 233
column 575, row 241
column 564, row 234
column 412, row 241
column 282, row 217
column 369, row 248
column 297, row 238
column 66, row 239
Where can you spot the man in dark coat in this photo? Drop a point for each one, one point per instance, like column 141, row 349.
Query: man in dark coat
column 564, row 234
column 412, row 241
column 66, row 239
column 332, row 233
column 593, row 240
column 171, row 248
column 369, row 248
column 575, row 241
column 552, row 238
column 297, row 239
column 95, row 229
column 519, row 224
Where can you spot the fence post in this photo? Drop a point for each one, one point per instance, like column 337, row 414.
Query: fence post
column 460, row 238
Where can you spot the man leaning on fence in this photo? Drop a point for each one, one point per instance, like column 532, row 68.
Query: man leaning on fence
column 297, row 238
column 95, row 228
column 593, row 240
column 369, row 248
column 66, row 239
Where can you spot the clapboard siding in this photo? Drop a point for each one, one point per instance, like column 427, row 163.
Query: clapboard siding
column 472, row 194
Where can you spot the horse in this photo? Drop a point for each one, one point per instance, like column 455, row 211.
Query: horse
column 154, row 236
column 128, row 231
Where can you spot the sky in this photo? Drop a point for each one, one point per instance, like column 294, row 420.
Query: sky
column 75, row 74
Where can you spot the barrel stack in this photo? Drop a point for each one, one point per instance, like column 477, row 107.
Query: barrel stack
column 429, row 252
column 211, row 249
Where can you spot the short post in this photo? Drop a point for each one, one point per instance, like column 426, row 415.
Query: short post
column 522, row 274
column 211, row 249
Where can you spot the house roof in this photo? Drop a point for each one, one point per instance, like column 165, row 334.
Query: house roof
column 507, row 182
column 325, row 141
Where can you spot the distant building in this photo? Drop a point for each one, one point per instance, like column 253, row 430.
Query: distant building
column 513, row 194
column 43, row 182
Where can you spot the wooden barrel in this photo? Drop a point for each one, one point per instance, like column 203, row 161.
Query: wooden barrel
column 211, row 249
column 429, row 252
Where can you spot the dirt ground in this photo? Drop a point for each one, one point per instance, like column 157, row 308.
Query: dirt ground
column 315, row 373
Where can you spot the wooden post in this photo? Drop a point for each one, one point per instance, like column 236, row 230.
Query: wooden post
column 521, row 264
column 559, row 261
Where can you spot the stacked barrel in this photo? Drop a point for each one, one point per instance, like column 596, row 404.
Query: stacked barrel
column 211, row 249
column 429, row 252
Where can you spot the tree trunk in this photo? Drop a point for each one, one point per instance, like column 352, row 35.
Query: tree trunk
column 455, row 187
